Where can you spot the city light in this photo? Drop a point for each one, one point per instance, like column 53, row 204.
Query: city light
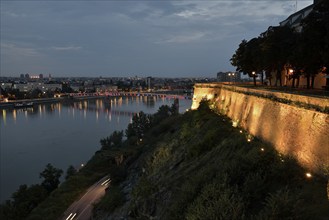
column 262, row 149
column 241, row 131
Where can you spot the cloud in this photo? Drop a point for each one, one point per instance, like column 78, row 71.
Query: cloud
column 67, row 48
column 186, row 38
column 13, row 50
column 14, row 14
column 187, row 35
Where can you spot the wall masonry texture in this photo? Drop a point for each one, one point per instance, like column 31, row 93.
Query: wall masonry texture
column 291, row 130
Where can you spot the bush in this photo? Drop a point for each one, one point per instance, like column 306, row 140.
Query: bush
column 113, row 198
column 281, row 205
column 217, row 201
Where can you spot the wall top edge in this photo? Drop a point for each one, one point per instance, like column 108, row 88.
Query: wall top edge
column 318, row 101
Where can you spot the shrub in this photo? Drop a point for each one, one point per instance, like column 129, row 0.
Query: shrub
column 281, row 205
column 217, row 201
column 113, row 198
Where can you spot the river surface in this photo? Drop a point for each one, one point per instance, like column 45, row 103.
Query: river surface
column 62, row 134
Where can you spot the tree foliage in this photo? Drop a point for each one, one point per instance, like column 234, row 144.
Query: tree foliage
column 71, row 171
column 24, row 200
column 141, row 122
column 114, row 140
column 305, row 50
column 50, row 177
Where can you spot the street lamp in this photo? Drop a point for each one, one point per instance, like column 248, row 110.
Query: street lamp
column 230, row 78
column 254, row 76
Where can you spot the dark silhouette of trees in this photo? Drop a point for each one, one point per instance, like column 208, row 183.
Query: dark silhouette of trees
column 114, row 140
column 141, row 122
column 26, row 198
column 277, row 46
column 303, row 51
column 314, row 41
column 71, row 171
column 50, row 177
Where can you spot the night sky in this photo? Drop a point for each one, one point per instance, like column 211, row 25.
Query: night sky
column 128, row 38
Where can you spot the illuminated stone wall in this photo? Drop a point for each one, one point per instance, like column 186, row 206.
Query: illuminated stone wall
column 291, row 130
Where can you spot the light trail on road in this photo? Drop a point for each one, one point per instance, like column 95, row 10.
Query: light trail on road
column 82, row 209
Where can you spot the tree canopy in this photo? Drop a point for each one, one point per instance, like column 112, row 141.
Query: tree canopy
column 50, row 177
column 304, row 50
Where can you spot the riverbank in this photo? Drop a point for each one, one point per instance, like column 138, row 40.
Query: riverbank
column 11, row 104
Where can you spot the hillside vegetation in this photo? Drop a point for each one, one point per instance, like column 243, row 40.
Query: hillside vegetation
column 197, row 166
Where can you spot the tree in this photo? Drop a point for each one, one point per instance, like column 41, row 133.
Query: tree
column 277, row 46
column 71, row 171
column 24, row 200
column 248, row 58
column 51, row 177
column 315, row 41
column 163, row 112
column 114, row 140
column 140, row 124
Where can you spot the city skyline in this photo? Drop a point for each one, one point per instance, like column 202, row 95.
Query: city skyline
column 124, row 38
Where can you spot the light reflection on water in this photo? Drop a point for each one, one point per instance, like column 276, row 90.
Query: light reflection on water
column 62, row 134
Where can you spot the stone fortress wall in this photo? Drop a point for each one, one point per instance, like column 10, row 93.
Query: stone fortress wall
column 292, row 130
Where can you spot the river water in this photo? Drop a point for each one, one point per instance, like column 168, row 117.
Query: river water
column 62, row 134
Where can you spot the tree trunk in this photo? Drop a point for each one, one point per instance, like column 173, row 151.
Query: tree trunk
column 308, row 81
column 328, row 189
column 262, row 75
column 312, row 81
column 293, row 83
column 278, row 77
column 297, row 83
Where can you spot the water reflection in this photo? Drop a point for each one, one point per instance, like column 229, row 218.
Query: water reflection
column 4, row 115
column 63, row 134
column 118, row 106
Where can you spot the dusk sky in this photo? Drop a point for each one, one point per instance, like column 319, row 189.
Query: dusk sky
column 128, row 38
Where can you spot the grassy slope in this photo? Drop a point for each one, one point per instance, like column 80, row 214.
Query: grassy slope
column 197, row 166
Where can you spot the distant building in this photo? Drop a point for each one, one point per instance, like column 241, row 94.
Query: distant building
column 106, row 88
column 228, row 77
column 27, row 87
column 27, row 76
column 149, row 83
column 5, row 86
column 34, row 77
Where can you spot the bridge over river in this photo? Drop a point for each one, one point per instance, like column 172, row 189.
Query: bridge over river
column 127, row 94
